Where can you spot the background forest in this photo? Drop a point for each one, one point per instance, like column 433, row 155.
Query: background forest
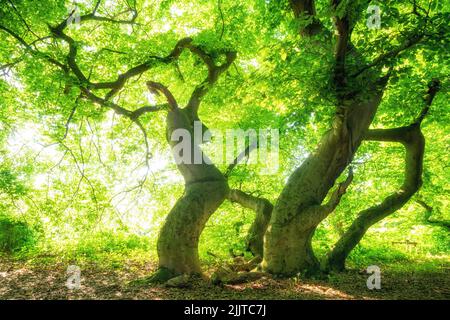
column 82, row 185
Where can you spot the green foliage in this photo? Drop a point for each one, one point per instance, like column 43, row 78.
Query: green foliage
column 15, row 236
column 10, row 184
column 110, row 249
column 85, row 181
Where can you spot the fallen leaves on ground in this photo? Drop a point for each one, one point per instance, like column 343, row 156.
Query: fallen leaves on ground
column 28, row 281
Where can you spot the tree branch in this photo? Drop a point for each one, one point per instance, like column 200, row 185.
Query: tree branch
column 119, row 83
column 22, row 19
column 146, row 109
column 157, row 88
column 241, row 156
column 263, row 209
column 306, row 9
column 93, row 17
column 408, row 43
column 412, row 138
column 335, row 198
column 429, row 211
column 315, row 214
column 433, row 88
column 214, row 72
column 344, row 31
column 33, row 51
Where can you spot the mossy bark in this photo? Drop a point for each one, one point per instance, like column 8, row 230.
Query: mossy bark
column 287, row 245
column 412, row 138
column 205, row 190
column 179, row 237
column 263, row 211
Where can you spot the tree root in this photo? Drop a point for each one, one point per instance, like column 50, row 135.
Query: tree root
column 162, row 275
column 240, row 272
column 240, row 264
column 226, row 276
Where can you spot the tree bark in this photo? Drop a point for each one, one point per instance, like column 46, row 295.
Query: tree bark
column 429, row 211
column 205, row 190
column 205, row 186
column 263, row 211
column 414, row 142
column 288, row 248
column 412, row 138
column 306, row 9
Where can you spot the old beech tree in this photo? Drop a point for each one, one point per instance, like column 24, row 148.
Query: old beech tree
column 281, row 235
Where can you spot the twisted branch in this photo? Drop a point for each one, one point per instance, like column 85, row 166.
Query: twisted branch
column 263, row 209
column 414, row 142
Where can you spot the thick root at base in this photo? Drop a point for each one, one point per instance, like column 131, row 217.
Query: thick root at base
column 161, row 275
column 239, row 272
column 226, row 276
column 168, row 278
column 240, row 264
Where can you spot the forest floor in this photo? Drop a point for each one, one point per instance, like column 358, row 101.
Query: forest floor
column 25, row 280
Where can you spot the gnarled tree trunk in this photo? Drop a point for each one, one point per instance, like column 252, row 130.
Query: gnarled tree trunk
column 414, row 142
column 411, row 137
column 205, row 186
column 263, row 211
column 205, row 190
column 296, row 213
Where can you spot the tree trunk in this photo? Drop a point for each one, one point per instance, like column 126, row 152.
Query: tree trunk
column 263, row 210
column 414, row 142
column 288, row 248
column 178, row 239
column 205, row 190
column 205, row 186
column 412, row 138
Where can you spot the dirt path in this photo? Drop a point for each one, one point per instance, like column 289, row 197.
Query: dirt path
column 24, row 281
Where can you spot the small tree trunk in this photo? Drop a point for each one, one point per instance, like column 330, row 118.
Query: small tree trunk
column 263, row 211
column 295, row 251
